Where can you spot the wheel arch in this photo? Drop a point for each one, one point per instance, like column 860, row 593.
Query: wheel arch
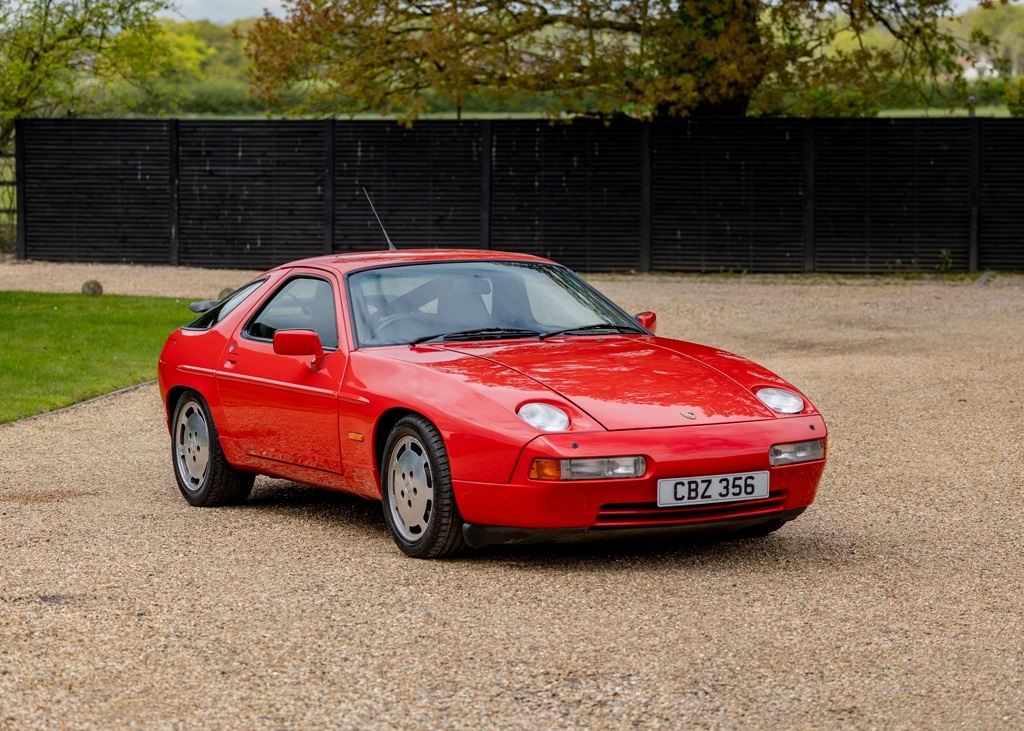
column 420, row 507
column 383, row 428
column 171, row 400
column 174, row 393
column 204, row 474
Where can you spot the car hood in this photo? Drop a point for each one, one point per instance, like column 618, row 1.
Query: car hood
column 639, row 382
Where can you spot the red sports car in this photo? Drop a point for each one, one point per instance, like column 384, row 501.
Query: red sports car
column 485, row 398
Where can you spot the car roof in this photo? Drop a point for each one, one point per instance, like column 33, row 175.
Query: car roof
column 344, row 263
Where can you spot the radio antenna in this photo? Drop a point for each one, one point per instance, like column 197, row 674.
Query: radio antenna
column 386, row 237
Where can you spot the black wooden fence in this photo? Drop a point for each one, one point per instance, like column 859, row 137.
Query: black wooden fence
column 705, row 195
column 8, row 207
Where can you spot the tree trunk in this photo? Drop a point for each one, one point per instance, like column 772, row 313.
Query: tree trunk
column 725, row 55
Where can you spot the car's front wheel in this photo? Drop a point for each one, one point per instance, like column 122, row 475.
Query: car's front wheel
column 419, row 503
column 204, row 475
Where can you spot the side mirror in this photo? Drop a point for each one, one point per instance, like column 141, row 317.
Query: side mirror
column 204, row 306
column 300, row 342
column 649, row 320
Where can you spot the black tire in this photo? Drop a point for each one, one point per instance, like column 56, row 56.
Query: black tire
column 416, row 487
column 204, row 476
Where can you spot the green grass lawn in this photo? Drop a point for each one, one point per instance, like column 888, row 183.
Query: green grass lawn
column 59, row 349
column 991, row 110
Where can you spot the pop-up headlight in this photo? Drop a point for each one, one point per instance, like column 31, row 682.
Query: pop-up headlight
column 781, row 400
column 544, row 417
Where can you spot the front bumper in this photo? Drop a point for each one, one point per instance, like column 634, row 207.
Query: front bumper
column 516, row 510
column 480, row 536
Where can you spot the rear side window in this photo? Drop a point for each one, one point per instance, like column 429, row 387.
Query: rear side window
column 302, row 303
column 221, row 310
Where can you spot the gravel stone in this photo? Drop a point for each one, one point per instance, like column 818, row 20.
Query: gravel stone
column 894, row 602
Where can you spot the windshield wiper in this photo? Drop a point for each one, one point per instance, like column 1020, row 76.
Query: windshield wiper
column 479, row 333
column 595, row 327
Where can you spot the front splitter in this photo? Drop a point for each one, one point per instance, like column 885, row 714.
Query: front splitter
column 480, row 536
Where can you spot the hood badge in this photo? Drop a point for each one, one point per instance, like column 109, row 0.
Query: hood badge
column 688, row 414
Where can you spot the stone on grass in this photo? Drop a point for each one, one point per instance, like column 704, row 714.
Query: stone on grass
column 92, row 287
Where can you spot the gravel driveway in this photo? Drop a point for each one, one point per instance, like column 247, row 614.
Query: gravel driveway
column 896, row 601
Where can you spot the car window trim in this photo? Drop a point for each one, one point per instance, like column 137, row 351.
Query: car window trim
column 244, row 334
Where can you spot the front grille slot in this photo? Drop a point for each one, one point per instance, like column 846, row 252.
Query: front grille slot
column 649, row 514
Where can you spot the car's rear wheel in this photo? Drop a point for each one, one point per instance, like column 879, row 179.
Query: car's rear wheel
column 204, row 475
column 419, row 503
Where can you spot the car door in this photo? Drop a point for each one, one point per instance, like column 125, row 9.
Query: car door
column 276, row 406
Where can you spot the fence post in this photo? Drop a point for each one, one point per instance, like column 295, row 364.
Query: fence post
column 974, row 193
column 328, row 186
column 173, row 187
column 486, row 175
column 19, row 188
column 810, row 157
column 645, row 196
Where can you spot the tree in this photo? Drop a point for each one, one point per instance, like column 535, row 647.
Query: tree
column 216, row 80
column 225, row 45
column 644, row 57
column 1006, row 26
column 56, row 55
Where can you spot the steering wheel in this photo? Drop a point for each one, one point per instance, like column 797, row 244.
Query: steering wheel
column 402, row 327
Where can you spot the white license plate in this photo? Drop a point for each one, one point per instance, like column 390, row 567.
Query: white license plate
column 712, row 489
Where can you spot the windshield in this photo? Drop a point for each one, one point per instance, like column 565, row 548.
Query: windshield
column 476, row 300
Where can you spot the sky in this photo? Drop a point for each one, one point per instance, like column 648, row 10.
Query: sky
column 225, row 11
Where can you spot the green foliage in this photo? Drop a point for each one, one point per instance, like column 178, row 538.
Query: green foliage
column 786, row 57
column 159, row 67
column 207, row 97
column 388, row 55
column 47, row 49
column 824, row 101
column 220, row 97
column 1004, row 24
column 987, row 93
column 945, row 265
column 1014, row 97
column 223, row 46
column 873, row 55
column 405, row 59
column 8, row 205
column 59, row 349
column 204, row 75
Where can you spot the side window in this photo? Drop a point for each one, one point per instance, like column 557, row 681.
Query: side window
column 211, row 317
column 302, row 303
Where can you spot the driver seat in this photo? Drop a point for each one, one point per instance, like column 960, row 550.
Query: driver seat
column 462, row 311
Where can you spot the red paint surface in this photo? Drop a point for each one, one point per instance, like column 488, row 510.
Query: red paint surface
column 688, row 409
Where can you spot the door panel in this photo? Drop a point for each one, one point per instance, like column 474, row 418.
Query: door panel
column 276, row 406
